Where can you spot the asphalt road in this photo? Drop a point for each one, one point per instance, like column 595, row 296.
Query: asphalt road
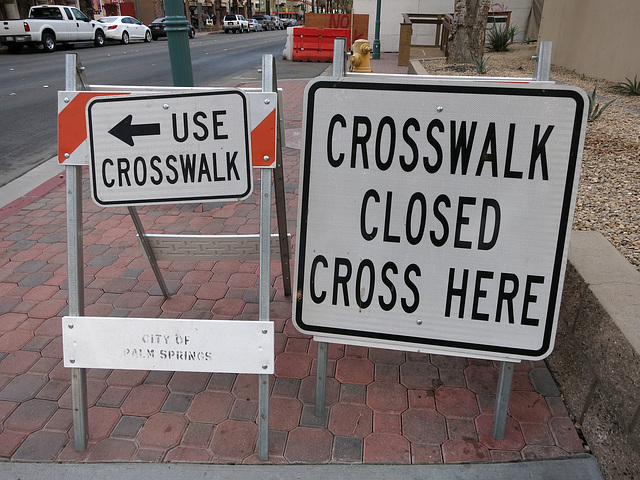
column 30, row 80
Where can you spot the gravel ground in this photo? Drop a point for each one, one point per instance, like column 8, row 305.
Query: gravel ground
column 609, row 189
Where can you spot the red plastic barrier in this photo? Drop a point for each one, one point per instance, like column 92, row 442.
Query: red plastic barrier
column 316, row 44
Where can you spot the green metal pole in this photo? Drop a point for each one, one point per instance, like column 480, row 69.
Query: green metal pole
column 178, row 39
column 375, row 53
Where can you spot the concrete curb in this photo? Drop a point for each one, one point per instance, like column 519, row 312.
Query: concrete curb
column 581, row 467
column 596, row 360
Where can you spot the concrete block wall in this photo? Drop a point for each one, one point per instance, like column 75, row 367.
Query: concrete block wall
column 596, row 359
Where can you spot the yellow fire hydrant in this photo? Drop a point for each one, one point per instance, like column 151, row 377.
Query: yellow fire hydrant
column 361, row 58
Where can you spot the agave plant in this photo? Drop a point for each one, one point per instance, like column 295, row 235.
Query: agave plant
column 481, row 64
column 630, row 87
column 595, row 110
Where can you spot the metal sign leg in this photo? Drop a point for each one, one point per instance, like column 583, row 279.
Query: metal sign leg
column 75, row 267
column 76, row 299
column 339, row 48
column 502, row 399
column 268, row 85
column 281, row 215
column 321, row 378
column 148, row 251
column 265, row 294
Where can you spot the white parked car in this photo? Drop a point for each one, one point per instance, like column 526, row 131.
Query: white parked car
column 124, row 29
column 235, row 23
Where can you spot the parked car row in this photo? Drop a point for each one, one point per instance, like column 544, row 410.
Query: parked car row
column 48, row 27
column 238, row 24
column 125, row 29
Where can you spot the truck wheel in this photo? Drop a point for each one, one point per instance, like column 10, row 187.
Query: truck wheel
column 125, row 38
column 48, row 42
column 98, row 41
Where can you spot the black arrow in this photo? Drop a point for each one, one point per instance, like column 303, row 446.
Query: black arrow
column 125, row 131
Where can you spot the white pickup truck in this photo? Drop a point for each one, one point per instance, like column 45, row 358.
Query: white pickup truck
column 48, row 26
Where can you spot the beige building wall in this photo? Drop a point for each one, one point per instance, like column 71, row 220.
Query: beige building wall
column 596, row 38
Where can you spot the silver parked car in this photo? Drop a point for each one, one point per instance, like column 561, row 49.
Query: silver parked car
column 254, row 25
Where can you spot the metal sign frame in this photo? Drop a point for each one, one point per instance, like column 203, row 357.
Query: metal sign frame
column 75, row 80
column 541, row 76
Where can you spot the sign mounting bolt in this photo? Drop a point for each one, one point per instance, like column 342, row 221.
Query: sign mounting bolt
column 165, row 106
column 267, row 101
column 265, row 366
column 266, row 158
column 66, row 155
column 70, row 325
column 72, row 360
column 439, row 109
column 419, row 322
column 66, row 100
column 264, row 331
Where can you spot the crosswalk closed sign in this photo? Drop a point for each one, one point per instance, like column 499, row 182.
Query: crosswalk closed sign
column 435, row 215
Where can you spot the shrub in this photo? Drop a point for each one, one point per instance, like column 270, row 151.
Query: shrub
column 595, row 110
column 499, row 37
column 630, row 87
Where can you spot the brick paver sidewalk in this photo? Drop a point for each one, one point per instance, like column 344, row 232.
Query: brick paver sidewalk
column 382, row 405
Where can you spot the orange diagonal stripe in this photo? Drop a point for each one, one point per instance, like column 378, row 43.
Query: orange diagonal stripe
column 263, row 139
column 72, row 124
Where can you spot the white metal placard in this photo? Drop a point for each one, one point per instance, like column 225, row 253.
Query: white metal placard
column 436, row 214
column 225, row 346
column 169, row 148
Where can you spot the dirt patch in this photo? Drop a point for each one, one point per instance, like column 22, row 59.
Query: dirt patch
column 608, row 198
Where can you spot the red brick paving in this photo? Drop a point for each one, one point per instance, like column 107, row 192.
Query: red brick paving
column 382, row 405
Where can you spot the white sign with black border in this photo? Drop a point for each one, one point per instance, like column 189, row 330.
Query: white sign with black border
column 177, row 148
column 434, row 215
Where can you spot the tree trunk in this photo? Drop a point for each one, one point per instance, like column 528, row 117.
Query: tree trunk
column 219, row 12
column 466, row 39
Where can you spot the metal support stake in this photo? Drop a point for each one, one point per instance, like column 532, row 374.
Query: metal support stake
column 502, row 399
column 339, row 67
column 268, row 82
column 75, row 268
column 148, row 251
column 542, row 73
column 543, row 61
column 339, row 57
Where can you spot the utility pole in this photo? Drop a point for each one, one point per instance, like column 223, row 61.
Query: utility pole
column 375, row 54
column 178, row 40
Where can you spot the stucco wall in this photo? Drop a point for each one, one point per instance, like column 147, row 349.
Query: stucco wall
column 598, row 39
column 391, row 18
